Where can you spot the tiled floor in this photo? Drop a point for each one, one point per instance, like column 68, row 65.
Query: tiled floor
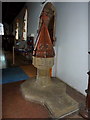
column 15, row 106
column 30, row 70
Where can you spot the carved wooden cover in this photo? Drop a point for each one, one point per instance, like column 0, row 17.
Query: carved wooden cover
column 50, row 11
column 43, row 47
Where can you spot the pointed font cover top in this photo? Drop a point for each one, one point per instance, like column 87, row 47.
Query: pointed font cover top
column 43, row 47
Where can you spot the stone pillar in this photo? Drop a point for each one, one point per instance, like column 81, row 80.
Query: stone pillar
column 43, row 66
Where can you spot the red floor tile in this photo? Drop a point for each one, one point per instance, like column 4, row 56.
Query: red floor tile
column 15, row 106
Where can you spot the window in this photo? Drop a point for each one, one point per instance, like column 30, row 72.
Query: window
column 17, row 30
column 1, row 29
column 25, row 26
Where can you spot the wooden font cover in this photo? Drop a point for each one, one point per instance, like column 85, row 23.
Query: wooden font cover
column 43, row 47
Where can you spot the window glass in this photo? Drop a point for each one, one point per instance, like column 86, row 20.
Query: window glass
column 25, row 26
column 1, row 29
column 17, row 30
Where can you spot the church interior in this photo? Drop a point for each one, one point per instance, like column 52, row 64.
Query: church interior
column 44, row 60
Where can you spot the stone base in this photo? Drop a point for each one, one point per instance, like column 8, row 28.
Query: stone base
column 54, row 96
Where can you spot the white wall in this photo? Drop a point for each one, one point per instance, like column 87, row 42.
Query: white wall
column 72, row 44
column 34, row 10
column 89, row 35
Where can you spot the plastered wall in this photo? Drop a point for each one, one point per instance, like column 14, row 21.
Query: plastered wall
column 72, row 44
